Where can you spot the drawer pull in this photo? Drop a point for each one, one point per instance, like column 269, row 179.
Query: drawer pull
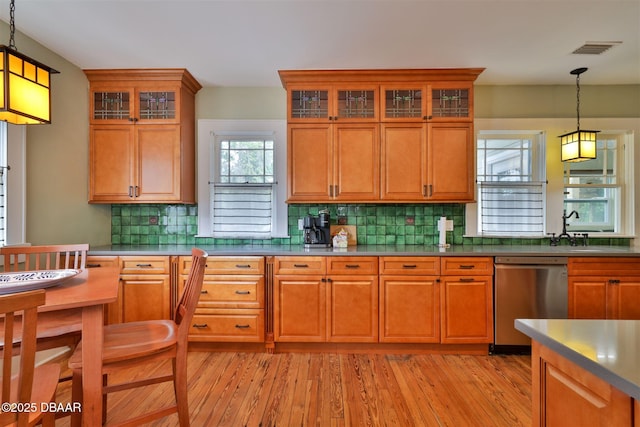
column 301, row 265
column 204, row 291
column 352, row 266
column 144, row 265
column 243, row 292
column 466, row 279
column 242, row 326
column 94, row 265
column 466, row 267
column 614, row 281
column 409, row 266
column 200, row 325
column 243, row 265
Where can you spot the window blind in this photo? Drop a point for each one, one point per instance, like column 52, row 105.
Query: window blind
column 512, row 208
column 242, row 210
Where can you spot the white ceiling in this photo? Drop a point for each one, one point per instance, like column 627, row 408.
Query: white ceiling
column 245, row 42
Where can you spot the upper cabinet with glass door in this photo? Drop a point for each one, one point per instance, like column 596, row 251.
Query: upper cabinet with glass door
column 152, row 97
column 353, row 103
column 428, row 102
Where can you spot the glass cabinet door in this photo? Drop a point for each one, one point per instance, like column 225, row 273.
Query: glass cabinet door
column 356, row 104
column 403, row 104
column 111, row 105
column 309, row 104
column 451, row 103
column 159, row 105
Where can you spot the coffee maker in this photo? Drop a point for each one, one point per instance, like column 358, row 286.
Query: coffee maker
column 316, row 231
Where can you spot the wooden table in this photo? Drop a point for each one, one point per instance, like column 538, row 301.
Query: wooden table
column 89, row 290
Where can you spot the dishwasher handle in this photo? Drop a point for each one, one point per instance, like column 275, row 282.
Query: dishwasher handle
column 532, row 260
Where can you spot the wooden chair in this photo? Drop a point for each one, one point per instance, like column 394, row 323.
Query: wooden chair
column 137, row 343
column 54, row 330
column 31, row 385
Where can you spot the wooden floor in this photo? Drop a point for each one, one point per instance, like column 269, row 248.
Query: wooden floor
column 259, row 389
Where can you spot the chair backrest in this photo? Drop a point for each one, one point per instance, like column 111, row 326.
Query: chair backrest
column 27, row 304
column 49, row 257
column 187, row 304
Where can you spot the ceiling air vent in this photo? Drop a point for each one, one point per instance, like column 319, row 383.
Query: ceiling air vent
column 594, row 48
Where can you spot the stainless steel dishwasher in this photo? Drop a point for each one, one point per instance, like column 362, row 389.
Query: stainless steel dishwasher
column 527, row 288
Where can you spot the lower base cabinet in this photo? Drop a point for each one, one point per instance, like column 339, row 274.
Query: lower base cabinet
column 326, row 299
column 567, row 395
column 146, row 288
column 113, row 311
column 231, row 304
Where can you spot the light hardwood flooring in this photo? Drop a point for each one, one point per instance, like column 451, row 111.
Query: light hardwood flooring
column 300, row 389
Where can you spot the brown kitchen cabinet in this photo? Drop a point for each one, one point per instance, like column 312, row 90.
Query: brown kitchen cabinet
column 146, row 288
column 325, row 299
column 409, row 299
column 466, row 300
column 604, row 288
column 561, row 387
column 231, row 307
column 333, row 162
column 142, row 136
column 427, row 162
column 422, row 150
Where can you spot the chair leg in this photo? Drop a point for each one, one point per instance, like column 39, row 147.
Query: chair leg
column 76, row 396
column 180, row 387
column 104, row 399
column 49, row 419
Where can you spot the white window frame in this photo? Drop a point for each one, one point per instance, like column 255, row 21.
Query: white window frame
column 537, row 177
column 207, row 128
column 13, row 154
column 555, row 182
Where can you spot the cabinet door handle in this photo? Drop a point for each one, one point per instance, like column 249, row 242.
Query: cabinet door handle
column 137, row 192
column 200, row 325
column 242, row 326
column 243, row 292
column 409, row 266
column 301, row 265
column 466, row 267
column 144, row 265
column 243, row 265
column 131, row 191
column 336, row 192
column 331, row 191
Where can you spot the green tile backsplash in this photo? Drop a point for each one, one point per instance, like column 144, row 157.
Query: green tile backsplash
column 376, row 224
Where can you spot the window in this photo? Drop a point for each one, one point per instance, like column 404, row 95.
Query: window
column 595, row 189
column 13, row 183
column 241, row 176
column 511, row 186
column 242, row 193
column 3, row 187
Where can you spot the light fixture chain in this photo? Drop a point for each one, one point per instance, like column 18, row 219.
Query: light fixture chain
column 12, row 25
column 578, row 99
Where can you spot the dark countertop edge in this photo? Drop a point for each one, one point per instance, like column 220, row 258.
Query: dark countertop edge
column 621, row 383
column 368, row 250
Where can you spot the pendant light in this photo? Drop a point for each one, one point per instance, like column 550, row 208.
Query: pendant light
column 579, row 145
column 25, row 89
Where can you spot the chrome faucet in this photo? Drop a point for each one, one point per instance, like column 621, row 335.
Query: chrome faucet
column 573, row 240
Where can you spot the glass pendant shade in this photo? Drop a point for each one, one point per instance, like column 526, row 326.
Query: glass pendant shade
column 578, row 146
column 25, row 90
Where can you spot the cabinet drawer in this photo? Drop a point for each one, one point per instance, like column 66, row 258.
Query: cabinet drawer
column 352, row 265
column 232, row 291
column 94, row 261
column 144, row 265
column 227, row 265
column 467, row 266
column 591, row 266
column 426, row 266
column 300, row 265
column 228, row 325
